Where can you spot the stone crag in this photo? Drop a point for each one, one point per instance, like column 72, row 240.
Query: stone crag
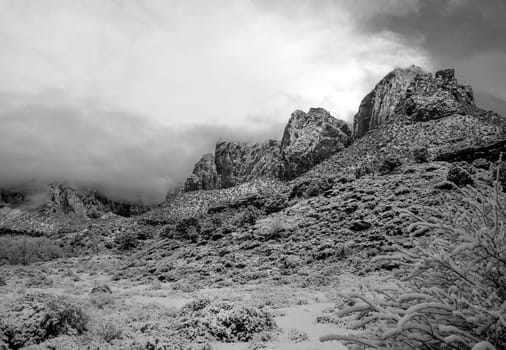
column 412, row 94
column 308, row 139
column 240, row 162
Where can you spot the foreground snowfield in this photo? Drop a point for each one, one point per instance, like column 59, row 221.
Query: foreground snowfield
column 301, row 315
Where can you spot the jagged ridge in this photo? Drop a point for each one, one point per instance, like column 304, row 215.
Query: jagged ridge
column 308, row 139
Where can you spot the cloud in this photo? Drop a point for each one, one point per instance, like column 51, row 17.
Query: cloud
column 126, row 155
column 128, row 95
column 465, row 34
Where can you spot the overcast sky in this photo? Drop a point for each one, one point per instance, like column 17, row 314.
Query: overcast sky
column 129, row 94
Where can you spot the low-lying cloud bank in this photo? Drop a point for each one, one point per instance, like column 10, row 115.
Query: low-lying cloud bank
column 125, row 155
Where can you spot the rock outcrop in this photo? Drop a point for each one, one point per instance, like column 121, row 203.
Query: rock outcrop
column 310, row 138
column 67, row 199
column 204, row 175
column 240, row 162
column 412, row 94
column 64, row 198
column 12, row 197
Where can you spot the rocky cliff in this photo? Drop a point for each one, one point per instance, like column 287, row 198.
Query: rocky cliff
column 87, row 203
column 241, row 162
column 308, row 139
column 62, row 198
column 204, row 175
column 411, row 94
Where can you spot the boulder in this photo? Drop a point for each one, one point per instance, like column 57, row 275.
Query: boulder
column 310, row 138
column 104, row 288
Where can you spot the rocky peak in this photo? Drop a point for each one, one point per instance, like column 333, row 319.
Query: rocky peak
column 412, row 94
column 66, row 199
column 204, row 175
column 237, row 162
column 309, row 138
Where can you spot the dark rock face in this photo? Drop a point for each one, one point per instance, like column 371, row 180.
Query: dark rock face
column 66, row 199
column 204, row 175
column 12, row 197
column 310, row 138
column 380, row 104
column 240, row 162
column 413, row 95
column 234, row 163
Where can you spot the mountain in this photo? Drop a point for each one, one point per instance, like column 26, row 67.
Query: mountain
column 413, row 94
column 411, row 110
column 416, row 138
column 66, row 199
column 310, row 212
column 308, row 139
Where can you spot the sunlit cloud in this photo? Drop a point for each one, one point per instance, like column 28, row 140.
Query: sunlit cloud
column 139, row 75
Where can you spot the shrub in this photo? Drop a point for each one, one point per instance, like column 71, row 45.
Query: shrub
column 108, row 331
column 481, row 163
column 296, row 336
column 246, row 217
column 365, row 167
column 459, row 176
column 420, row 155
column 388, row 164
column 35, row 318
column 274, row 202
column 126, row 240
column 189, row 228
column 455, row 295
column 223, row 320
column 274, row 228
column 167, row 231
column 26, row 250
column 343, row 250
column 101, row 300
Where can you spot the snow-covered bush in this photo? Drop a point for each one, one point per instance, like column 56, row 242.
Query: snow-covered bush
column 35, row 318
column 222, row 320
column 454, row 296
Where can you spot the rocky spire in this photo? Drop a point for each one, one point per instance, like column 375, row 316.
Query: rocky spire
column 309, row 138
